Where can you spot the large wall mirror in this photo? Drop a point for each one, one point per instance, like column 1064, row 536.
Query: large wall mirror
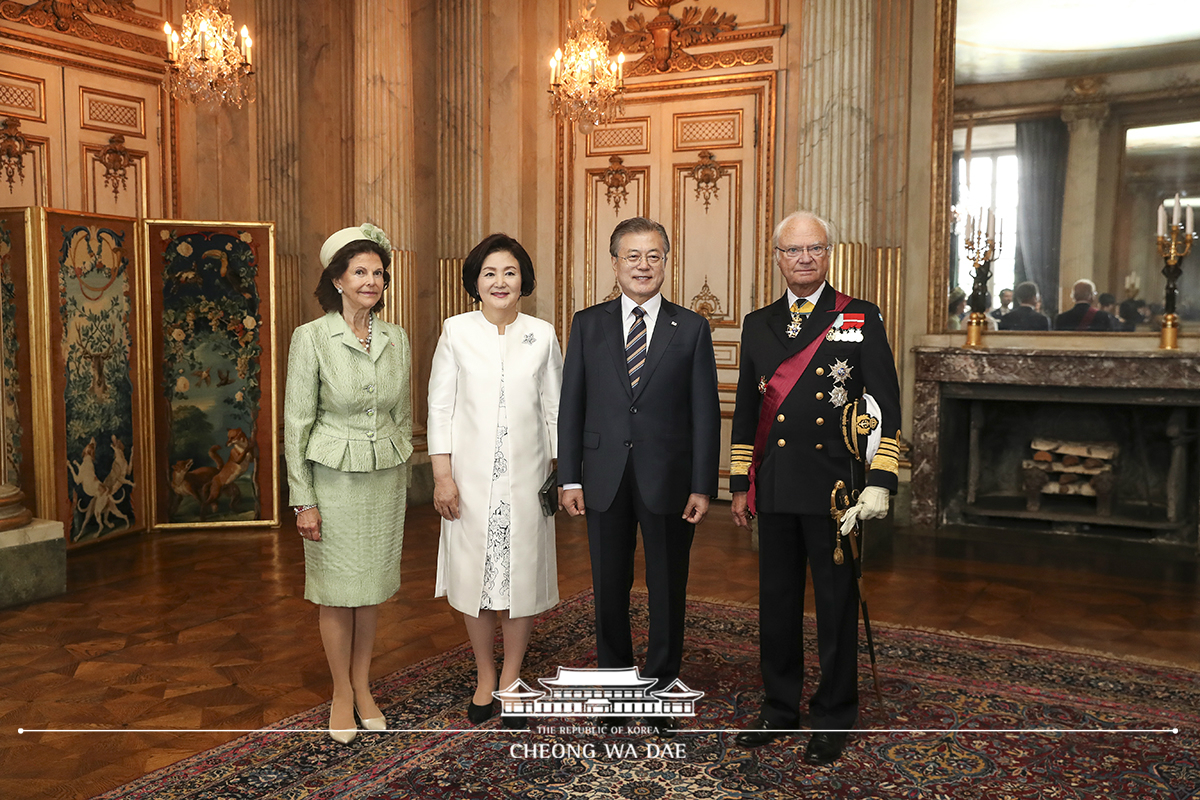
column 1073, row 120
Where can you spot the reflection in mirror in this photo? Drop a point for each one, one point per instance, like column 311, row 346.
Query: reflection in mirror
column 1074, row 129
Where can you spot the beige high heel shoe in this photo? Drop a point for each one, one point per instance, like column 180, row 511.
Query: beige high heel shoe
column 374, row 723
column 340, row 735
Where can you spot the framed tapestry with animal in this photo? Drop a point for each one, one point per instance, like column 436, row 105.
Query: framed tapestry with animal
column 90, row 426
column 17, row 251
column 212, row 325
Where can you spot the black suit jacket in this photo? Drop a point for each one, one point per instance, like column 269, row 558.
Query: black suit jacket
column 670, row 426
column 1069, row 320
column 1024, row 318
column 806, row 452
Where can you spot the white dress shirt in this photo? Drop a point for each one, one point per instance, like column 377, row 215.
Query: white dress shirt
column 812, row 298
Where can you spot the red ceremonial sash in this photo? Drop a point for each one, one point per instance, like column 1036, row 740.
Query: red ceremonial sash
column 780, row 385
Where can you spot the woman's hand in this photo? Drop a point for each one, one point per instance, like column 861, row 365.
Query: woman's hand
column 308, row 522
column 445, row 498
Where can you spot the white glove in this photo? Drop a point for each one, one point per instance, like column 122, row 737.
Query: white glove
column 872, row 504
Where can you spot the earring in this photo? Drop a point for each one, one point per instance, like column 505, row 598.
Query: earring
column 339, row 289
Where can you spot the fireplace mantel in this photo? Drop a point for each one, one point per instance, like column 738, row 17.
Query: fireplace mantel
column 945, row 375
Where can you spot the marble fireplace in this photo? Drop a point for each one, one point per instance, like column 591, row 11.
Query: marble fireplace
column 977, row 414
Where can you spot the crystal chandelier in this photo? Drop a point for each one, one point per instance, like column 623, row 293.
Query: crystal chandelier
column 208, row 60
column 586, row 85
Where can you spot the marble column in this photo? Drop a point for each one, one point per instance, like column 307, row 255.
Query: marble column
column 1085, row 124
column 383, row 117
column 835, row 72
column 462, row 121
column 279, row 154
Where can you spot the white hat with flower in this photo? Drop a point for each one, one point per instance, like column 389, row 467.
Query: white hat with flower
column 345, row 236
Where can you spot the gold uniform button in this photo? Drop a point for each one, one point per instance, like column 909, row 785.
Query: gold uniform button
column 820, row 370
column 779, row 418
column 781, row 442
column 820, row 395
column 820, row 447
column 820, row 420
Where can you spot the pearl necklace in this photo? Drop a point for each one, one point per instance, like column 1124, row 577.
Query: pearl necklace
column 370, row 330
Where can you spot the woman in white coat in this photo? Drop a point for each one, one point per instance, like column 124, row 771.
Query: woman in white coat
column 493, row 432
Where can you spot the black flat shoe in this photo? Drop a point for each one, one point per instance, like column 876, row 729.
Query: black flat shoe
column 664, row 727
column 824, row 748
column 480, row 714
column 759, row 734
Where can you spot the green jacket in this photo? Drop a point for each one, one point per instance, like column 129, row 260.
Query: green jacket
column 343, row 407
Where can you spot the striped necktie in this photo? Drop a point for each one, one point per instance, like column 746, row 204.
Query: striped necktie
column 635, row 346
column 800, row 311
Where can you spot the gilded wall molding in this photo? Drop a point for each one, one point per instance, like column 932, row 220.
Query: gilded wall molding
column 64, row 19
column 942, row 153
column 682, row 61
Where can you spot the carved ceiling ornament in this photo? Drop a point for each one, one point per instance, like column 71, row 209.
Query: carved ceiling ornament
column 706, row 173
column 13, row 148
column 707, row 304
column 616, row 178
column 116, row 160
column 64, row 16
column 665, row 37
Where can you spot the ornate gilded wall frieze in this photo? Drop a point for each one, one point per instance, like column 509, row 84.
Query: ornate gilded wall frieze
column 665, row 37
column 64, row 17
column 116, row 160
column 707, row 304
column 682, row 61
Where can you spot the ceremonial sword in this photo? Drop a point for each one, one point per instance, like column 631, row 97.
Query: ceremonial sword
column 836, row 511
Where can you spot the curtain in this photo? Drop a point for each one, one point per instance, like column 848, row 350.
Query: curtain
column 1041, row 181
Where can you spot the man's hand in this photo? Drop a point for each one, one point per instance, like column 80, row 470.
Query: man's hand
column 872, row 504
column 697, row 508
column 741, row 510
column 572, row 501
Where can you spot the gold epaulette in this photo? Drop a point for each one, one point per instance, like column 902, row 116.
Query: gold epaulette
column 887, row 458
column 740, row 456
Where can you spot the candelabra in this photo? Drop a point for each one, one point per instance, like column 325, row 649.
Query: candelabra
column 1172, row 247
column 982, row 248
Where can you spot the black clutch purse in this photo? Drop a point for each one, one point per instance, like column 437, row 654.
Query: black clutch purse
column 548, row 494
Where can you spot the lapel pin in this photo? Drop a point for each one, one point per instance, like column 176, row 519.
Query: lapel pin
column 673, row 322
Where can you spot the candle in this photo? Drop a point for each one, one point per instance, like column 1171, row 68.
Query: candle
column 1175, row 212
column 245, row 36
column 174, row 45
column 991, row 230
column 1162, row 220
column 621, row 69
column 553, row 75
column 593, row 68
column 203, row 37
column 249, row 52
column 1189, row 219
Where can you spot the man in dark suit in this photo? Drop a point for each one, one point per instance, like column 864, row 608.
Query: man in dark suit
column 1084, row 315
column 816, row 371
column 1025, row 317
column 638, row 442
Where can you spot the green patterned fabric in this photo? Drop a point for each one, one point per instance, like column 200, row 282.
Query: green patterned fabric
column 345, row 408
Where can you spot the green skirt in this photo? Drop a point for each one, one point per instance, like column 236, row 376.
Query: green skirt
column 357, row 561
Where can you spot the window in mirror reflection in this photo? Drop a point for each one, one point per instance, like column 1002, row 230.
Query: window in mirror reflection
column 987, row 180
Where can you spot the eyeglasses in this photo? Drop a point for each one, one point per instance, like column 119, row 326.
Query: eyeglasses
column 651, row 259
column 814, row 250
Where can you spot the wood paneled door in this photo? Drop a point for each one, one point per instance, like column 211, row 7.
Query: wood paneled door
column 696, row 155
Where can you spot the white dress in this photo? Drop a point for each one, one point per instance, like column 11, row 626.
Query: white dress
column 496, row 578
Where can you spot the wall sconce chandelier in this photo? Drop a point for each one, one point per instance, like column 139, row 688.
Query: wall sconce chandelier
column 13, row 149
column 587, row 86
column 116, row 160
column 208, row 60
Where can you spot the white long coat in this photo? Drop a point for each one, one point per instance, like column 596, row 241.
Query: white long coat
column 464, row 405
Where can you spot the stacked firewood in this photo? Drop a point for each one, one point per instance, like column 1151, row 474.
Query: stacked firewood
column 1070, row 468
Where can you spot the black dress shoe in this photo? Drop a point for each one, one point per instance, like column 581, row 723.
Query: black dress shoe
column 759, row 734
column 664, row 727
column 824, row 748
column 516, row 723
column 480, row 714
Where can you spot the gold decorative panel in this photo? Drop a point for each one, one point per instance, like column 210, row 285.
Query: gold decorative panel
column 112, row 113
column 627, row 136
column 22, row 97
column 708, row 130
column 707, row 237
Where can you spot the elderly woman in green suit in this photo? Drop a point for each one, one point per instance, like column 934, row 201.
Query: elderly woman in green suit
column 347, row 438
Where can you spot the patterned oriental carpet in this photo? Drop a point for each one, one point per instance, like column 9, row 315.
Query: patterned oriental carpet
column 1112, row 721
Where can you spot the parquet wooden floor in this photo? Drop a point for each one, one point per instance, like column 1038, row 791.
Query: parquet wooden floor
column 210, row 630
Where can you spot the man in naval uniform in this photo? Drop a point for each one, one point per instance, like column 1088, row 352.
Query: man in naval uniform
column 816, row 370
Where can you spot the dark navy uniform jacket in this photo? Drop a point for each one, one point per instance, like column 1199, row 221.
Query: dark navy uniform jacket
column 807, row 450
